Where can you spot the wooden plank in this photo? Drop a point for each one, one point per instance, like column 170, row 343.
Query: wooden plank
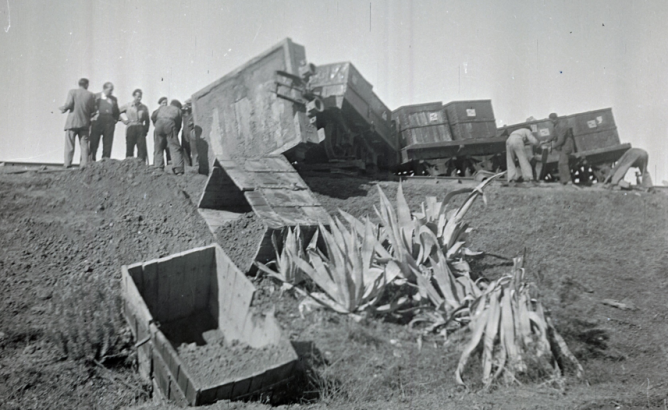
column 268, row 164
column 150, row 293
column 163, row 303
column 240, row 388
column 238, row 175
column 290, row 180
column 205, row 261
column 224, row 392
column 239, row 307
column 255, row 199
column 134, row 300
column 316, row 214
column 289, row 197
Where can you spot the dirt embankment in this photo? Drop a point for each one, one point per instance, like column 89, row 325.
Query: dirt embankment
column 582, row 247
column 58, row 224
column 241, row 238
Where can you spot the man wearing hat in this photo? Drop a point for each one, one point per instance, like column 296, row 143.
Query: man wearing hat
column 565, row 145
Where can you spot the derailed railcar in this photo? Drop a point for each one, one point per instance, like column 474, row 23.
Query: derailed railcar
column 277, row 103
column 471, row 143
column 597, row 145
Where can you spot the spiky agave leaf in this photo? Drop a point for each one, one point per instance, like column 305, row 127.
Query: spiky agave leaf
column 348, row 273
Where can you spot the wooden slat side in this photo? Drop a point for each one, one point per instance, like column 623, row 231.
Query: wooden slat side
column 150, row 291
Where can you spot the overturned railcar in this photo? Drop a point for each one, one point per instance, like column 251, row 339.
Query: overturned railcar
column 277, row 103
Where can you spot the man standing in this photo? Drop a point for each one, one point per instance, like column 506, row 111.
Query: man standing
column 105, row 122
column 137, row 122
column 81, row 106
column 515, row 150
column 162, row 102
column 188, row 136
column 167, row 120
column 565, row 145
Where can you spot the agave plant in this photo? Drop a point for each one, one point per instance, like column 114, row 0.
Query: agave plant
column 449, row 294
column 290, row 250
column 415, row 238
column 351, row 272
column 514, row 332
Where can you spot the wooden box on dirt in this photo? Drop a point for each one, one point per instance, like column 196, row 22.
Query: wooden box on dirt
column 271, row 188
column 240, row 115
column 422, row 123
column 195, row 297
column 594, row 130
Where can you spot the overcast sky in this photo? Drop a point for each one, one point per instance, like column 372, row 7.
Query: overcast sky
column 529, row 57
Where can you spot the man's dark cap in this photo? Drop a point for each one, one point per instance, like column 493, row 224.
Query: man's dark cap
column 554, row 116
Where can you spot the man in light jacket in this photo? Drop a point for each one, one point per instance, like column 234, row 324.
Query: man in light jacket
column 80, row 104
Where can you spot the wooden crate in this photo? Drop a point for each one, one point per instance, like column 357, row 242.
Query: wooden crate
column 469, row 111
column 473, row 130
column 422, row 124
column 271, row 188
column 592, row 122
column 195, row 292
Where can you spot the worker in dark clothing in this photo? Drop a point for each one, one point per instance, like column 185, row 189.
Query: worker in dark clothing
column 105, row 123
column 81, row 106
column 162, row 102
column 188, row 136
column 167, row 120
column 563, row 142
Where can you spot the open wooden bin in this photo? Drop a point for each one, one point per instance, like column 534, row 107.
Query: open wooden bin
column 196, row 300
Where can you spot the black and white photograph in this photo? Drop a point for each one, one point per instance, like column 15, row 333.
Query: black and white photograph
column 334, row 204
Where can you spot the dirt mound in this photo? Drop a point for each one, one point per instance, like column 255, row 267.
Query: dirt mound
column 59, row 224
column 221, row 361
column 241, row 238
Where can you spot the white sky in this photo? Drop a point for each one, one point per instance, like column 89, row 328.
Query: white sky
column 529, row 57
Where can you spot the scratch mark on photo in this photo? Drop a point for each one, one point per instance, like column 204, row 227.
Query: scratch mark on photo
column 9, row 18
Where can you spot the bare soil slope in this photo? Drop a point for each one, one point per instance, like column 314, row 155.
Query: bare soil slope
column 582, row 246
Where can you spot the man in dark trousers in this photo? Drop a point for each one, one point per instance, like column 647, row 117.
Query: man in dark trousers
column 167, row 120
column 564, row 143
column 188, row 136
column 137, row 121
column 81, row 106
column 105, row 122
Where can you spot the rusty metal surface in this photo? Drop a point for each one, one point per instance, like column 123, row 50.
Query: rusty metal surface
column 240, row 116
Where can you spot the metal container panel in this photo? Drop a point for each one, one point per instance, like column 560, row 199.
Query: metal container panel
column 597, row 140
column 473, row 130
column 592, row 122
column 469, row 111
column 240, row 116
